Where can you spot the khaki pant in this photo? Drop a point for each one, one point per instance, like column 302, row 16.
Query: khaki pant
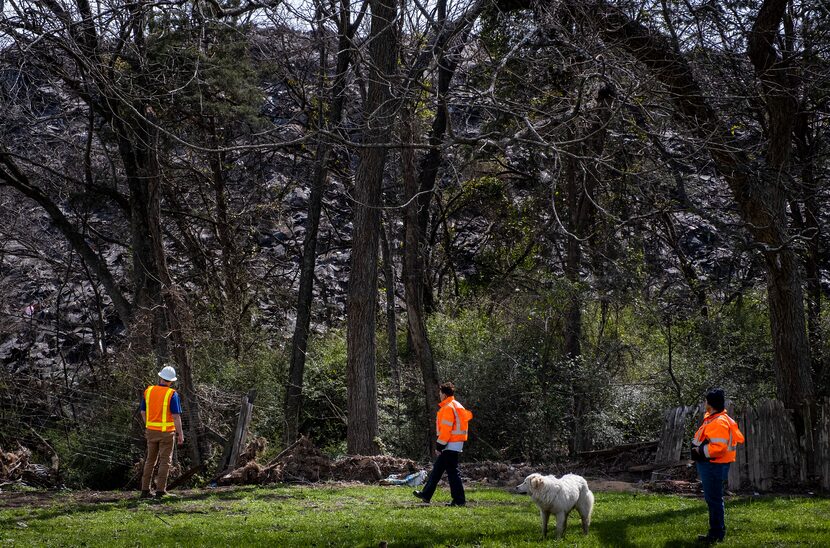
column 159, row 446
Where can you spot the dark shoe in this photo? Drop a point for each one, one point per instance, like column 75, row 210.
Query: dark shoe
column 145, row 495
column 420, row 495
column 707, row 539
column 453, row 503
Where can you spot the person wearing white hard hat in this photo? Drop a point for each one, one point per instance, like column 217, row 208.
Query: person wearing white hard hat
column 161, row 412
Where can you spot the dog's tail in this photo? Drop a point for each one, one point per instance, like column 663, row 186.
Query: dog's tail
column 585, row 505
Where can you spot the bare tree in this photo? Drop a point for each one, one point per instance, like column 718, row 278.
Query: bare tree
column 362, row 307
column 757, row 185
column 336, row 99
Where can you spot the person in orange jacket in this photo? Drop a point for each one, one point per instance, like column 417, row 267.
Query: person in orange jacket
column 713, row 448
column 451, row 426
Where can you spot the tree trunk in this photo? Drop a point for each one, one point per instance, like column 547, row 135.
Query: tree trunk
column 361, row 380
column 391, row 327
column 805, row 143
column 156, row 292
column 232, row 292
column 573, row 259
column 428, row 169
column 175, row 308
column 413, row 286
column 581, row 185
column 418, row 195
column 299, row 341
column 779, row 85
column 135, row 151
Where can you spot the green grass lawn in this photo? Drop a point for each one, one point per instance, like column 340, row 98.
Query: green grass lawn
column 364, row 516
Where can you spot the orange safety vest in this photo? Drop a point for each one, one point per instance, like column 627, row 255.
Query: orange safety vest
column 451, row 421
column 723, row 435
column 157, row 400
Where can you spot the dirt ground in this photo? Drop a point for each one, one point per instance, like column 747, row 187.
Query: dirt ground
column 303, row 463
column 42, row 499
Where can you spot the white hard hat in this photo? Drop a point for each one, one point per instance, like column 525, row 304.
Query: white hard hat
column 168, row 373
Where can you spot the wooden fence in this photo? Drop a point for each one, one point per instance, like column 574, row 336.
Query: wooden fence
column 771, row 455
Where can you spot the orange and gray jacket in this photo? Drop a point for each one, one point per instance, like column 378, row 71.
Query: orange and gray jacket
column 719, row 437
column 451, row 424
column 157, row 408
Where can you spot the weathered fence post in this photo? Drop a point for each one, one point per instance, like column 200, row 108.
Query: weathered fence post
column 237, row 440
column 672, row 436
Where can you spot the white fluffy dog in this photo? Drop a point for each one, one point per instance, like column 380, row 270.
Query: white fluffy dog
column 559, row 496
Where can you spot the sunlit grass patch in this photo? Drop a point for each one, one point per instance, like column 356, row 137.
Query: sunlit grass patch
column 334, row 515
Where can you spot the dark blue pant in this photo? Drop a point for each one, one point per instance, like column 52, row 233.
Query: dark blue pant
column 712, row 477
column 446, row 461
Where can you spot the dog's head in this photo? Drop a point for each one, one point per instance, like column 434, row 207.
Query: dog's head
column 532, row 482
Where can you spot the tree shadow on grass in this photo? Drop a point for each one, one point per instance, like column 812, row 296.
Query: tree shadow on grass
column 615, row 532
column 170, row 506
column 53, row 512
column 518, row 523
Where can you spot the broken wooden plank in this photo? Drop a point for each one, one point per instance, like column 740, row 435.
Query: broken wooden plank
column 657, row 467
column 617, row 449
column 235, row 442
column 186, row 476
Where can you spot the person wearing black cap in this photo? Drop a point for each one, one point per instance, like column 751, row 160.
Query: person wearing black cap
column 714, row 448
column 451, row 425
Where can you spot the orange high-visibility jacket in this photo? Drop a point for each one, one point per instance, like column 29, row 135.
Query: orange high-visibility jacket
column 451, row 421
column 723, row 435
column 158, row 415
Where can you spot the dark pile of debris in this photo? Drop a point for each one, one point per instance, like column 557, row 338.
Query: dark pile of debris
column 620, row 459
column 17, row 467
column 501, row 474
column 252, row 450
column 303, row 462
column 674, row 487
column 370, row 469
column 13, row 464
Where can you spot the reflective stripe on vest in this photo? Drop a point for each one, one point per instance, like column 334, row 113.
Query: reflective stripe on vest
column 457, row 421
column 163, row 425
column 730, row 445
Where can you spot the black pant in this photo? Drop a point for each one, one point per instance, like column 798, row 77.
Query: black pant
column 446, row 461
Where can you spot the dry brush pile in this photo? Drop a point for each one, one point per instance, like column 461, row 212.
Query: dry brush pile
column 303, row 462
column 16, row 466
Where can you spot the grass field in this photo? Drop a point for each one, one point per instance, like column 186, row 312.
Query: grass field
column 365, row 516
